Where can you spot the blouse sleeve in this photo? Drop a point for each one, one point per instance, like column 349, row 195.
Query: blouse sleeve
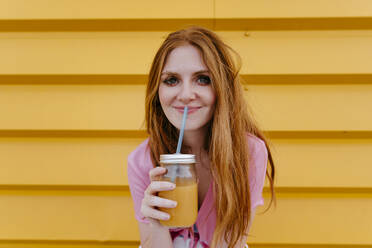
column 138, row 178
column 258, row 164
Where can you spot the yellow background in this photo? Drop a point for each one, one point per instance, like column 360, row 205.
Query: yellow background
column 72, row 81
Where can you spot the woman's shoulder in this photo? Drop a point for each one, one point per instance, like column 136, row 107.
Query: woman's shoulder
column 140, row 156
column 140, row 149
column 258, row 153
column 258, row 157
column 255, row 143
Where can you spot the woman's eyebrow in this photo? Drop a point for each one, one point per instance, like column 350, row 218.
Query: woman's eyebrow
column 175, row 73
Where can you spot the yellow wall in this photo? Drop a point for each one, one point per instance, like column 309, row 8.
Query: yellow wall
column 72, row 80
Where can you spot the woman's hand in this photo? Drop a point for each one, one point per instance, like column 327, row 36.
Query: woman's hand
column 151, row 201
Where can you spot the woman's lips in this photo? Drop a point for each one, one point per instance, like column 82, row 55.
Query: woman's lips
column 189, row 111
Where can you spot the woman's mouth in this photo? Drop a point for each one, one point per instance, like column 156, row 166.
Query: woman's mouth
column 190, row 109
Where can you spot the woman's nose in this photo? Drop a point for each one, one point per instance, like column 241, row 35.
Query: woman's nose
column 186, row 93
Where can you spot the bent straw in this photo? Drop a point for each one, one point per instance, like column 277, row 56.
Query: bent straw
column 180, row 138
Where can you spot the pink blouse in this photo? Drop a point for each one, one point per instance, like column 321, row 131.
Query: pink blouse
column 139, row 165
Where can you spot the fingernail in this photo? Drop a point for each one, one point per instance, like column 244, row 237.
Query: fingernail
column 166, row 216
column 174, row 204
column 173, row 186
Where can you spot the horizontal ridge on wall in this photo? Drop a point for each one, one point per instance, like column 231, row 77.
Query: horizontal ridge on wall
column 248, row 79
column 38, row 243
column 37, row 189
column 305, row 134
column 74, row 133
column 350, row 23
column 18, row 15
column 135, row 244
column 123, row 190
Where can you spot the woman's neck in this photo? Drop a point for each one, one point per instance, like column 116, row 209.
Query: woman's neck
column 195, row 139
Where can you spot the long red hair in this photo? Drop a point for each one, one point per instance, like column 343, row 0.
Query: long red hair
column 226, row 140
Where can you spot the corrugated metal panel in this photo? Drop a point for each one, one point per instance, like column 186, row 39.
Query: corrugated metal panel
column 67, row 121
column 304, row 164
column 102, row 216
column 275, row 53
column 110, row 107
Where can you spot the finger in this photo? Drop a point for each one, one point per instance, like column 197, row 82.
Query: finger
column 153, row 213
column 156, row 201
column 156, row 172
column 156, row 186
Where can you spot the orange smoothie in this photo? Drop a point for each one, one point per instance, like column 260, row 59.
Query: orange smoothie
column 186, row 211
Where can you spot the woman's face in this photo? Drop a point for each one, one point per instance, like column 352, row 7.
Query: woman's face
column 185, row 81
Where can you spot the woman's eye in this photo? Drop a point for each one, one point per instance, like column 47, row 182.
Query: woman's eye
column 170, row 81
column 204, row 79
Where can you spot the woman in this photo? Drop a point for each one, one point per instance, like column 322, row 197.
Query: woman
column 194, row 68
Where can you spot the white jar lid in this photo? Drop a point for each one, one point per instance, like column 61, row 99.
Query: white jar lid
column 177, row 158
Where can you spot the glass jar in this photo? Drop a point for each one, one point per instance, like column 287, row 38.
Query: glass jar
column 181, row 171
